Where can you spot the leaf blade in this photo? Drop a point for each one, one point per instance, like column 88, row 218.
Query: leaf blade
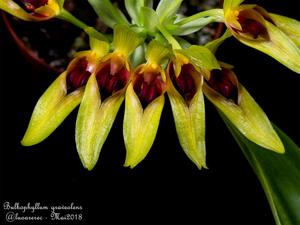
column 279, row 174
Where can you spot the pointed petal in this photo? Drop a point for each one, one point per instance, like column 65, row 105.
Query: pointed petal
column 279, row 46
column 100, row 47
column 214, row 45
column 289, row 26
column 133, row 7
column 125, row 39
column 94, row 122
column 49, row 10
column 248, row 117
column 50, row 111
column 140, row 127
column 167, row 9
column 132, row 121
column 157, row 52
column 190, row 124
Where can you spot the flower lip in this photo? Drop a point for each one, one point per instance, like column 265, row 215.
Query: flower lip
column 225, row 83
column 251, row 26
column 78, row 73
column 32, row 5
column 148, row 83
column 112, row 75
column 185, row 82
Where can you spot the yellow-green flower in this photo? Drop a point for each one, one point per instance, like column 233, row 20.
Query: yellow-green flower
column 234, row 101
column 274, row 35
column 103, row 96
column 185, row 81
column 32, row 10
column 144, row 102
column 63, row 95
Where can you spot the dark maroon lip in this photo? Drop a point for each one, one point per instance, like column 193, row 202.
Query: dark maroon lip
column 184, row 83
column 252, row 27
column 32, row 5
column 111, row 80
column 222, row 82
column 148, row 86
column 78, row 74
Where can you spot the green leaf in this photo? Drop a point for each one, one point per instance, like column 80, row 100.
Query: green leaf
column 279, row 175
column 108, row 13
column 167, row 9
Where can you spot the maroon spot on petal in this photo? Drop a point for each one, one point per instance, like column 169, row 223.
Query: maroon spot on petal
column 148, row 86
column 110, row 79
column 78, row 74
column 32, row 5
column 185, row 82
column 252, row 27
column 222, row 82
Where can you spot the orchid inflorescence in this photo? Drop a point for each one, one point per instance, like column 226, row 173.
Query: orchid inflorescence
column 148, row 58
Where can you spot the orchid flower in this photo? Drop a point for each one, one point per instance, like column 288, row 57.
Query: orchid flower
column 185, row 79
column 33, row 10
column 234, row 101
column 148, row 57
column 63, row 95
column 271, row 34
column 144, row 102
column 103, row 96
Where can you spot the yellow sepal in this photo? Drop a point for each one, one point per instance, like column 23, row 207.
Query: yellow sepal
column 140, row 126
column 248, row 118
column 289, row 26
column 94, row 121
column 190, row 122
column 50, row 111
column 125, row 40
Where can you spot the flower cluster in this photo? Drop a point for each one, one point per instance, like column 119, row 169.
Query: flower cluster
column 146, row 61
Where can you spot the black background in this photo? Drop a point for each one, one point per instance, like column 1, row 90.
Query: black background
column 166, row 188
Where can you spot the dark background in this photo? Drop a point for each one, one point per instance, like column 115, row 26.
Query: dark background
column 166, row 188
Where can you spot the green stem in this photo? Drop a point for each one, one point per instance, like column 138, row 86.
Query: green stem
column 216, row 13
column 169, row 37
column 66, row 16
